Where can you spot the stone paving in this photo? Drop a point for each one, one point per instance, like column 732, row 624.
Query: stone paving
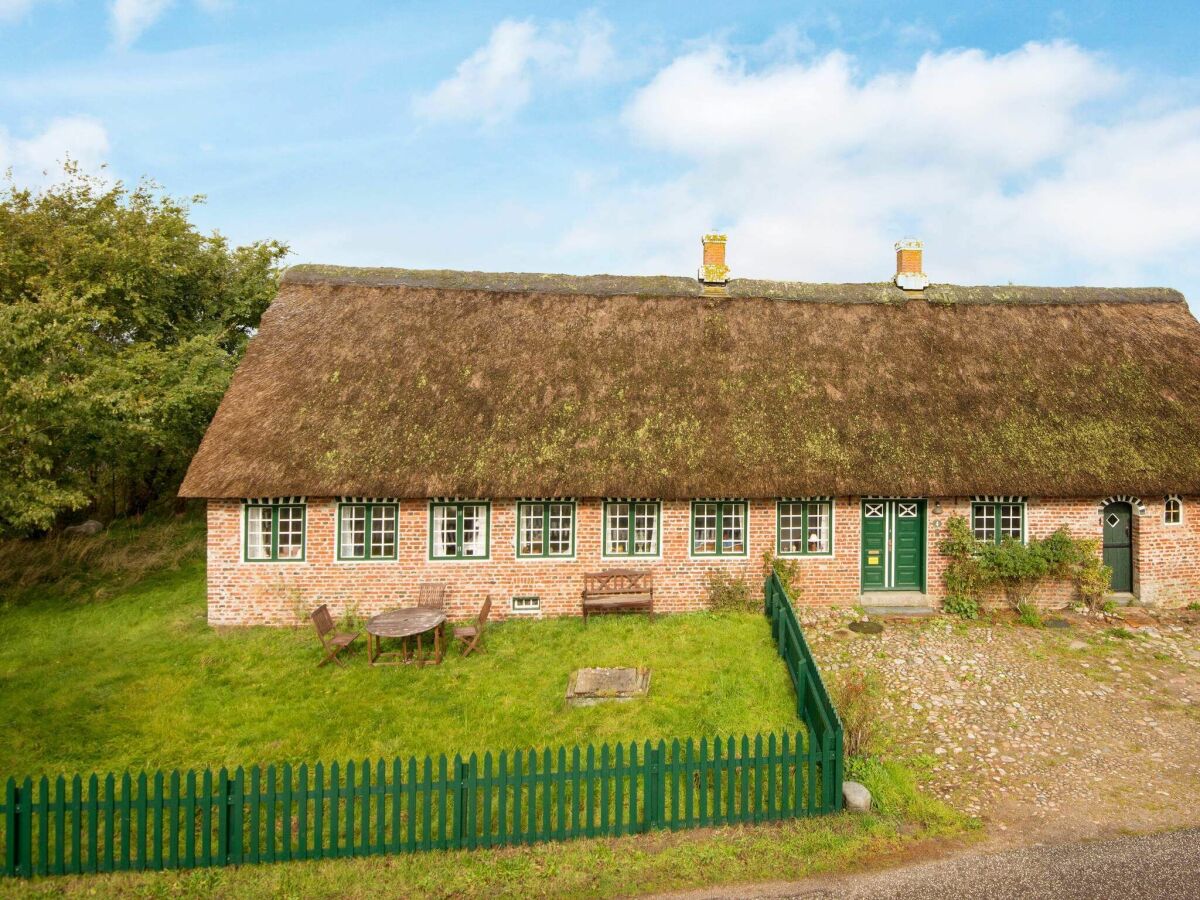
column 1043, row 733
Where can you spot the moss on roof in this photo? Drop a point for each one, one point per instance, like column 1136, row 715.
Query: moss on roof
column 420, row 384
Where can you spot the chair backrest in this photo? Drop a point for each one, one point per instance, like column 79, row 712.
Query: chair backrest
column 483, row 613
column 432, row 596
column 322, row 620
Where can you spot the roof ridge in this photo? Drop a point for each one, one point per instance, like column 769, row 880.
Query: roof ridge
column 748, row 288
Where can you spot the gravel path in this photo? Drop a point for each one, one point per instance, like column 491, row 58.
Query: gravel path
column 1046, row 734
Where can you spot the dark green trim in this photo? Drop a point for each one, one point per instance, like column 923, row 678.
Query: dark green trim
column 545, row 551
column 995, row 505
column 458, row 536
column 368, row 554
column 779, row 529
column 632, row 504
column 721, row 507
column 275, row 508
column 923, row 515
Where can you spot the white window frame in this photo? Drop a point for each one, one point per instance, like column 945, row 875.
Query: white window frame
column 1167, row 501
column 521, row 506
column 633, row 505
column 526, row 609
column 805, row 504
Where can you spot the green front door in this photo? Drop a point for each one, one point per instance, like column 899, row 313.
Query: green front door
column 893, row 545
column 1118, row 545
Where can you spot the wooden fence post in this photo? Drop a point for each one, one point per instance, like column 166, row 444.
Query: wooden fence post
column 14, row 825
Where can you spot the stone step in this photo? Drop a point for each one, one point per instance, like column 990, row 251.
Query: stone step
column 912, row 611
column 893, row 598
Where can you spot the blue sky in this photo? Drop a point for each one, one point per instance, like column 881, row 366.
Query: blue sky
column 1024, row 142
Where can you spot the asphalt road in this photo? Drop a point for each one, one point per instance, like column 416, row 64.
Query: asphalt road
column 1156, row 866
column 1162, row 866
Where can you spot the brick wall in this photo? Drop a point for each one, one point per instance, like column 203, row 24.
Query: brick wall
column 1167, row 557
column 1166, row 568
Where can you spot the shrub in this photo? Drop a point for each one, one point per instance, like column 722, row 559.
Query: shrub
column 1027, row 614
column 961, row 605
column 857, row 694
column 1018, row 567
column 788, row 571
column 728, row 594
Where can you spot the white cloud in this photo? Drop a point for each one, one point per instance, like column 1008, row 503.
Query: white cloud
column 1035, row 165
column 498, row 79
column 36, row 159
column 132, row 17
column 129, row 19
column 11, row 10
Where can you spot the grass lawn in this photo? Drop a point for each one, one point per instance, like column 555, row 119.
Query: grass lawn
column 107, row 664
column 138, row 680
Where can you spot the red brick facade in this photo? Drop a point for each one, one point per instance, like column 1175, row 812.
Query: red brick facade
column 1166, row 564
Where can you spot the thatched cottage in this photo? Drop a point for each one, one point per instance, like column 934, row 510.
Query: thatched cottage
column 508, row 433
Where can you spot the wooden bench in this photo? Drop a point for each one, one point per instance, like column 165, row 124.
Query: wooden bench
column 618, row 590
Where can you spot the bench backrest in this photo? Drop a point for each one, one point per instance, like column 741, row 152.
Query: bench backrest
column 618, row 581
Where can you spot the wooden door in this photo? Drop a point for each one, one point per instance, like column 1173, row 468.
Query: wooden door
column 1118, row 545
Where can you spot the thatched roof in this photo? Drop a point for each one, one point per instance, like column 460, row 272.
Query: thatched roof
column 393, row 382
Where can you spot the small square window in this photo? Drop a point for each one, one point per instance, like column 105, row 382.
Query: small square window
column 995, row 522
column 526, row 606
column 719, row 528
column 274, row 531
column 805, row 527
column 631, row 528
column 458, row 530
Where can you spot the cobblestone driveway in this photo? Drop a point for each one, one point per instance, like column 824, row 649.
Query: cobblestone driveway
column 1043, row 733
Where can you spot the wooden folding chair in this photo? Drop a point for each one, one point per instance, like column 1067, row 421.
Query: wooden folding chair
column 334, row 643
column 432, row 596
column 471, row 634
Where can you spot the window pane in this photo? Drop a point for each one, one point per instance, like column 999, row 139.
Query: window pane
column 791, row 527
column 291, row 532
column 818, row 528
column 383, row 531
column 645, row 529
column 561, row 524
column 984, row 522
column 1174, row 511
column 618, row 528
column 733, row 528
column 354, row 531
column 532, row 526
column 1010, row 521
column 704, row 528
column 445, row 531
column 258, row 532
column 474, row 519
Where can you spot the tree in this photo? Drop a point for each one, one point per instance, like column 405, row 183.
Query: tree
column 120, row 326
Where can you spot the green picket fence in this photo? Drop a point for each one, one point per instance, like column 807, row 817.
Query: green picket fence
column 813, row 705
column 274, row 814
column 255, row 815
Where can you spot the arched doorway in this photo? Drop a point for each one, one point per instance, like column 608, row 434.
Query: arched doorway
column 1118, row 545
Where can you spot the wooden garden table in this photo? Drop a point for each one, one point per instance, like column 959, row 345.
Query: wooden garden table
column 405, row 624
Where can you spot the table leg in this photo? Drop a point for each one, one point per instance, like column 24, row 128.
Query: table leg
column 371, row 648
column 439, row 637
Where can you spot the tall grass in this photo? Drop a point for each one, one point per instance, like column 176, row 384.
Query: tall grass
column 81, row 567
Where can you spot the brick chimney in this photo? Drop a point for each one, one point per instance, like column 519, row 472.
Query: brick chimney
column 713, row 271
column 910, row 274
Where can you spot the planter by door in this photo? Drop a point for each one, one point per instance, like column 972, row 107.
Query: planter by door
column 893, row 545
column 1118, row 545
